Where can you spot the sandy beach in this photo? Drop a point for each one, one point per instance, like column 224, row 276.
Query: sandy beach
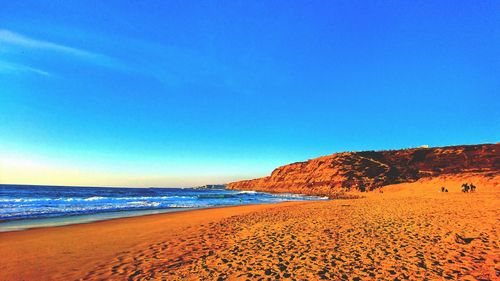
column 410, row 231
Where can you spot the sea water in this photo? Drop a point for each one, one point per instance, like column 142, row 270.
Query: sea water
column 28, row 206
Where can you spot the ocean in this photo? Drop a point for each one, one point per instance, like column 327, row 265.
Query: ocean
column 28, row 206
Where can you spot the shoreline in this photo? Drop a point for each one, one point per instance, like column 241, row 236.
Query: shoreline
column 43, row 206
column 47, row 222
column 113, row 215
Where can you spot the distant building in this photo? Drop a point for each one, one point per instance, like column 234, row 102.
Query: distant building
column 424, row 146
column 211, row 186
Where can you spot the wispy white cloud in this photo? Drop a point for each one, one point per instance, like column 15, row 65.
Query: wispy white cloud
column 22, row 41
column 7, row 67
column 13, row 38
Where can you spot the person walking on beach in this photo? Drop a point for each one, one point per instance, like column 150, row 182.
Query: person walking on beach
column 465, row 187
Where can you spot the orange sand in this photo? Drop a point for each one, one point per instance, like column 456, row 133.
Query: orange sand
column 409, row 231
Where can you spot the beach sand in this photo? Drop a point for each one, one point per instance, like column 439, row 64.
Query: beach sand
column 410, row 231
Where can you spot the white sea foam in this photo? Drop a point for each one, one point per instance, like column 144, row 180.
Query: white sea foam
column 247, row 192
column 94, row 198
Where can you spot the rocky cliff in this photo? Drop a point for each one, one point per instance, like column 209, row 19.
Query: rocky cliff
column 368, row 170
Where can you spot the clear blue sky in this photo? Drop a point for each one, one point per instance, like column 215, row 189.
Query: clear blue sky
column 175, row 93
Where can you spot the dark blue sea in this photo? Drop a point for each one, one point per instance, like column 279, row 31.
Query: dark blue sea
column 71, row 204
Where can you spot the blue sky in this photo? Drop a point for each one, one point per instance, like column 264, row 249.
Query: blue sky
column 178, row 93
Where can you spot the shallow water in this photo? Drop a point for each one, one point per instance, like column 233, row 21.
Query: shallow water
column 15, row 225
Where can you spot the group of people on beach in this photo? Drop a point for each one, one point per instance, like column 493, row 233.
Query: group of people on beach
column 468, row 188
column 465, row 188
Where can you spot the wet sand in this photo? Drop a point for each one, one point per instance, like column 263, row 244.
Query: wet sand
column 411, row 231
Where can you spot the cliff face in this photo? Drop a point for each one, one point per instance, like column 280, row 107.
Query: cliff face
column 368, row 170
